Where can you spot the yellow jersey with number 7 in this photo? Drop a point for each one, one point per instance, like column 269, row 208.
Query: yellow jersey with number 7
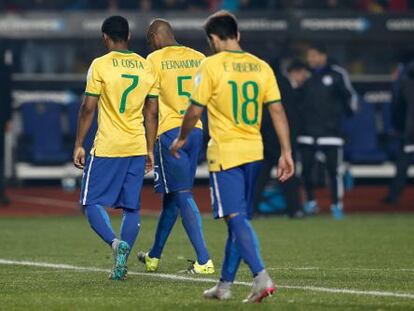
column 234, row 86
column 122, row 80
column 175, row 67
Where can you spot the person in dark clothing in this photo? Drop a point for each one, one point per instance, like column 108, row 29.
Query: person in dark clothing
column 403, row 122
column 5, row 114
column 328, row 96
column 292, row 94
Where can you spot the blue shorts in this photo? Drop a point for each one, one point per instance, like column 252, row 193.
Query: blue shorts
column 233, row 190
column 172, row 174
column 113, row 182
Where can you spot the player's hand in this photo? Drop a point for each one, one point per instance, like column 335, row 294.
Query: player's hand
column 79, row 157
column 149, row 164
column 175, row 146
column 285, row 167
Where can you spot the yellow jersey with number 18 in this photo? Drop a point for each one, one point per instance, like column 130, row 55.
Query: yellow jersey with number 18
column 122, row 80
column 175, row 67
column 234, row 86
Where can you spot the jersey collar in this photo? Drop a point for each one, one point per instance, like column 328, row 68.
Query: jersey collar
column 235, row 51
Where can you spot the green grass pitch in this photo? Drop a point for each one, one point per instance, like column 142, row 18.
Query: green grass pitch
column 371, row 254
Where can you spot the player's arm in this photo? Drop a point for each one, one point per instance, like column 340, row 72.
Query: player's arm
column 85, row 119
column 200, row 97
column 151, row 128
column 191, row 117
column 286, row 167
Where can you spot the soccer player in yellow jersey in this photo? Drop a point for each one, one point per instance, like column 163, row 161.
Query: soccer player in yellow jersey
column 123, row 86
column 175, row 66
column 235, row 86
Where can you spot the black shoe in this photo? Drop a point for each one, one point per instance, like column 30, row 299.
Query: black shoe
column 4, row 201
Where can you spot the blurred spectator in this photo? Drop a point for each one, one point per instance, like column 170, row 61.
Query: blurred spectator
column 403, row 122
column 47, row 57
column 170, row 5
column 291, row 88
column 329, row 96
column 380, row 6
column 5, row 112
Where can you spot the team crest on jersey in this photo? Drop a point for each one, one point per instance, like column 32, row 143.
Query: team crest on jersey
column 327, row 80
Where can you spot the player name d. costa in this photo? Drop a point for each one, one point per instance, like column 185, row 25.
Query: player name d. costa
column 127, row 63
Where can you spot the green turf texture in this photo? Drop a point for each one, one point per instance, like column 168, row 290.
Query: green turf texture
column 344, row 251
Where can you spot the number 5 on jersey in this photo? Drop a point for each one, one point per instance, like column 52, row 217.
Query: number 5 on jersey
column 180, row 88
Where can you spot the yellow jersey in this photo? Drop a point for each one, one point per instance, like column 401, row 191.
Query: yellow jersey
column 234, row 86
column 175, row 67
column 122, row 80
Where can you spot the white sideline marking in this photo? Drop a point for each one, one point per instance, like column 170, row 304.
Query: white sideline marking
column 208, row 280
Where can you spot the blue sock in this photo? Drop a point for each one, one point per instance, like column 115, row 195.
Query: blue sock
column 246, row 242
column 191, row 219
column 99, row 221
column 166, row 222
column 231, row 260
column 131, row 222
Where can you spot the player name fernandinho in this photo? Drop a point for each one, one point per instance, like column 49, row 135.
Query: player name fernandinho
column 180, row 64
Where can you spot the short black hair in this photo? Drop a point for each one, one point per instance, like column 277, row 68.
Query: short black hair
column 296, row 64
column 318, row 47
column 222, row 24
column 117, row 28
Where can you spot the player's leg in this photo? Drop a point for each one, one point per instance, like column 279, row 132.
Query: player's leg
column 190, row 215
column 263, row 285
column 169, row 212
column 166, row 221
column 129, row 200
column 176, row 177
column 231, row 262
column 102, row 184
column 334, row 166
column 98, row 174
column 307, row 153
column 191, row 219
column 236, row 206
column 130, row 225
column 99, row 221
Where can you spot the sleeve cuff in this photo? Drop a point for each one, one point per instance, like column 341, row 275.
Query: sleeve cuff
column 152, row 96
column 196, row 103
column 92, row 94
column 272, row 102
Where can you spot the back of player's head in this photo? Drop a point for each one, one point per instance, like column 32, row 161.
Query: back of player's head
column 117, row 28
column 222, row 24
column 296, row 65
column 320, row 48
column 160, row 25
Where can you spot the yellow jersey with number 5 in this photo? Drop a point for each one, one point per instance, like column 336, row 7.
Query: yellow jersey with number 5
column 175, row 67
column 122, row 80
column 234, row 86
